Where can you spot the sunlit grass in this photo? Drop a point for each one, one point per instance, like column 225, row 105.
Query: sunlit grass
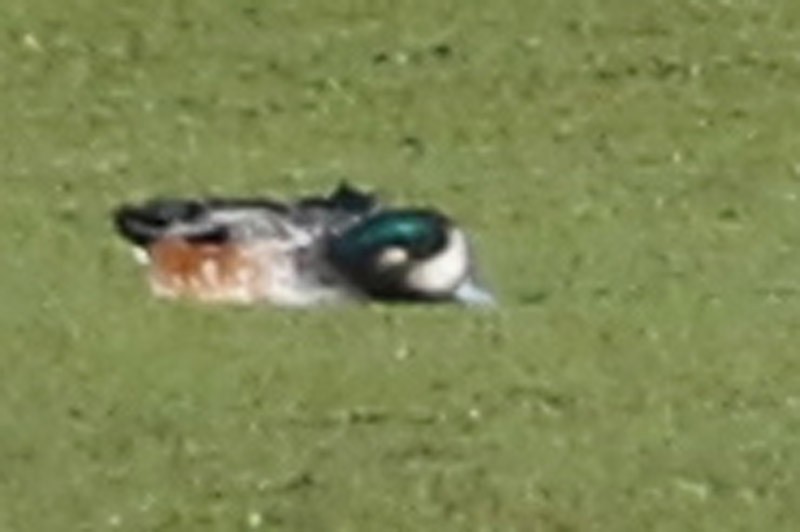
column 629, row 171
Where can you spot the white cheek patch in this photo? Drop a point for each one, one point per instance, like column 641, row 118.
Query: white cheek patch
column 392, row 257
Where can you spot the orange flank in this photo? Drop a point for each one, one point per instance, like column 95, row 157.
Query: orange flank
column 205, row 272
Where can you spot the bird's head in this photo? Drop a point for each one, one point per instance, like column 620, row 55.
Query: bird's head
column 409, row 254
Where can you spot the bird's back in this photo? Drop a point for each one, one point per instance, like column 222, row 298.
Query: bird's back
column 244, row 250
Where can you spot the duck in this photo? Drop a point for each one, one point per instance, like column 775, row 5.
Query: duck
column 343, row 247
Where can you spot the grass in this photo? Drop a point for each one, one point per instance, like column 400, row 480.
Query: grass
column 629, row 170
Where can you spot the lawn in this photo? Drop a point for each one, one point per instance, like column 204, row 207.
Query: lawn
column 630, row 172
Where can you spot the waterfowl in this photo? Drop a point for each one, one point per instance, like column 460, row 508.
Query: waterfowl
column 346, row 246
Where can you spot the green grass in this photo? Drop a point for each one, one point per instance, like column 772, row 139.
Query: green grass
column 629, row 170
